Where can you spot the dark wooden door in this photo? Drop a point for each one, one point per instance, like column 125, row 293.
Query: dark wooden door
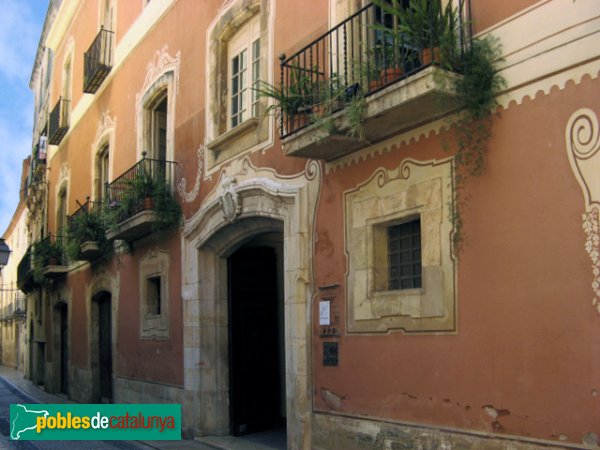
column 253, row 340
column 64, row 350
column 105, row 348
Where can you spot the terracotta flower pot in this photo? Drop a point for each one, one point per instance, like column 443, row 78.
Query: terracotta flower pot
column 375, row 84
column 148, row 202
column 430, row 55
column 391, row 74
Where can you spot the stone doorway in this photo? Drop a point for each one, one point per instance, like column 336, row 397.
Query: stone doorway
column 248, row 203
column 60, row 358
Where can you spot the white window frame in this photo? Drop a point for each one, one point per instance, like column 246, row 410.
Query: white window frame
column 242, row 46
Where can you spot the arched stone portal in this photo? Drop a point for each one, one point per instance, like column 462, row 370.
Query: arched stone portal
column 248, row 202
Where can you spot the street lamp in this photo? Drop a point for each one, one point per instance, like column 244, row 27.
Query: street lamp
column 4, row 253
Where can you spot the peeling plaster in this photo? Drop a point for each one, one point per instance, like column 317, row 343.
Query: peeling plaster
column 332, row 399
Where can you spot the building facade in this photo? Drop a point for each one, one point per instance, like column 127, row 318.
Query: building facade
column 275, row 213
column 13, row 302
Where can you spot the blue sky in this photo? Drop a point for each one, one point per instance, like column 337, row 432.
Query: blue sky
column 21, row 24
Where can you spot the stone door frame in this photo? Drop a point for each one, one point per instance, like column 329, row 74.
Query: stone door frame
column 247, row 202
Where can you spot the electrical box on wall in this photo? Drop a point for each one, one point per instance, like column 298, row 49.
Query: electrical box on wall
column 330, row 353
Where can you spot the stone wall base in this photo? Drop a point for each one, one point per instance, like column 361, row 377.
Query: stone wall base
column 351, row 433
column 80, row 383
column 127, row 390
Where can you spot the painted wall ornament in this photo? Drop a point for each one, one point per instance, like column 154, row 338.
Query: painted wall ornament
column 162, row 62
column 189, row 197
column 229, row 199
column 583, row 144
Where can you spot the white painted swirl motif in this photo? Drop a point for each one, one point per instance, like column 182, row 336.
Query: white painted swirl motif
column 582, row 136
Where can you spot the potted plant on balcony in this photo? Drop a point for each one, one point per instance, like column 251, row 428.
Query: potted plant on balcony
column 46, row 252
column 297, row 98
column 423, row 26
column 145, row 193
column 86, row 236
column 143, row 186
column 167, row 208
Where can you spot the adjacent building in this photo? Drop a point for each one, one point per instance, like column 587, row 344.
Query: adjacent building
column 13, row 328
column 275, row 214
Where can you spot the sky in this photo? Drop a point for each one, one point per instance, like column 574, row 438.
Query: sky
column 21, row 24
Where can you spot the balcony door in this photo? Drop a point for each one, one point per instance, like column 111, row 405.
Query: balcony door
column 102, row 167
column 65, row 108
column 158, row 118
column 61, row 212
column 107, row 18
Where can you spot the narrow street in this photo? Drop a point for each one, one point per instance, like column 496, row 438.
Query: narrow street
column 9, row 393
column 15, row 389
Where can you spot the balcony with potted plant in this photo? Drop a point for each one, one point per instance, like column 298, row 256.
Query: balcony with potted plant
column 86, row 233
column 49, row 258
column 387, row 68
column 43, row 261
column 141, row 201
column 25, row 279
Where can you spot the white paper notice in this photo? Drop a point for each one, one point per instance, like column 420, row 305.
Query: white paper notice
column 325, row 312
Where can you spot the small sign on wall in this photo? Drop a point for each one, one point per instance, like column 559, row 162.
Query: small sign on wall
column 328, row 311
column 325, row 312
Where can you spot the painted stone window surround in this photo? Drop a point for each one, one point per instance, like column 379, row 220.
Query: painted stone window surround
column 153, row 265
column 162, row 78
column 413, row 190
column 103, row 142
column 225, row 142
column 62, row 198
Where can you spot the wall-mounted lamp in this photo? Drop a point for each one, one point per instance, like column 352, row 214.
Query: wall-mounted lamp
column 4, row 253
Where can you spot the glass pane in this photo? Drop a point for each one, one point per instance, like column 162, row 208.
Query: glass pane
column 235, row 65
column 404, row 255
column 243, row 60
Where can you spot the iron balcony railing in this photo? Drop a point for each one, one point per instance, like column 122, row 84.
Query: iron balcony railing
column 361, row 55
column 38, row 160
column 46, row 252
column 25, row 271
column 20, row 304
column 7, row 311
column 97, row 61
column 89, row 207
column 59, row 121
column 133, row 191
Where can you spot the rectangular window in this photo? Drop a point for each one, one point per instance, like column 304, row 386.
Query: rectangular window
column 103, row 164
column 154, row 297
column 238, row 88
column 243, row 51
column 404, row 255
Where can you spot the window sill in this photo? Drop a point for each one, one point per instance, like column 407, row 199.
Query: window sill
column 222, row 142
column 397, row 292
